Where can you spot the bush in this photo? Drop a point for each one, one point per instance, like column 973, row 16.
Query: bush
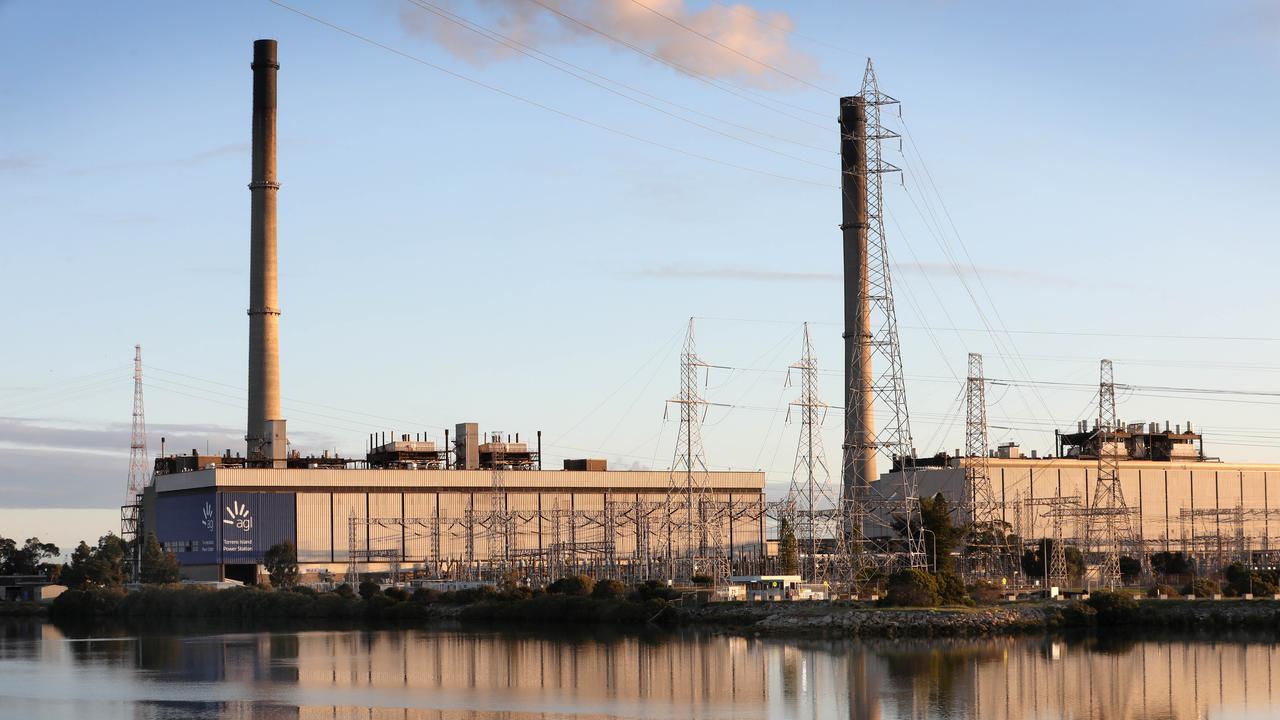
column 652, row 590
column 572, row 585
column 912, row 588
column 1202, row 588
column 397, row 594
column 344, row 591
column 608, row 590
column 1113, row 608
column 951, row 590
column 425, row 596
column 304, row 590
column 985, row 592
column 702, row 580
column 1241, row 580
column 1161, row 589
column 370, row 589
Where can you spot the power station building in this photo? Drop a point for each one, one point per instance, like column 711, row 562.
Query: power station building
column 1180, row 500
column 465, row 509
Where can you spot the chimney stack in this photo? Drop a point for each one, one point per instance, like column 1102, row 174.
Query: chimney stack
column 858, row 465
column 265, row 434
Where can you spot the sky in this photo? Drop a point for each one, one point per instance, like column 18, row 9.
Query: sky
column 516, row 233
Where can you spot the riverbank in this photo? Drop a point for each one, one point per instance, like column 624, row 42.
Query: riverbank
column 827, row 619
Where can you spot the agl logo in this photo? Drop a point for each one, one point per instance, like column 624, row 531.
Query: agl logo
column 207, row 522
column 238, row 514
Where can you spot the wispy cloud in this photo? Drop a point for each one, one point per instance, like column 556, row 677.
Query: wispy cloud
column 744, row 44
column 17, row 163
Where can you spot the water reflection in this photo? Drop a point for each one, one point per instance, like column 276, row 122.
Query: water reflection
column 441, row 675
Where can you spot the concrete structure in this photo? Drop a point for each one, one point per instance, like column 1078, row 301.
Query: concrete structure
column 436, row 523
column 29, row 588
column 265, row 439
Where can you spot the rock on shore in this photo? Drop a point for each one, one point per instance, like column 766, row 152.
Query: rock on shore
column 855, row 620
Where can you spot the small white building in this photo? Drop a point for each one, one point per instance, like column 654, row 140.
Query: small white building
column 777, row 588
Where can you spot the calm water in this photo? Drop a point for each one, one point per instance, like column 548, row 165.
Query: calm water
column 446, row 675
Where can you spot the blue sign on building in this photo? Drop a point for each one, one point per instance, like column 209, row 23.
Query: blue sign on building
column 226, row 527
column 187, row 525
column 250, row 523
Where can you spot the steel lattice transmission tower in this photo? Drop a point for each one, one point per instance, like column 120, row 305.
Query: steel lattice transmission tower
column 873, row 353
column 138, row 471
column 812, row 504
column 988, row 544
column 693, row 542
column 1110, row 524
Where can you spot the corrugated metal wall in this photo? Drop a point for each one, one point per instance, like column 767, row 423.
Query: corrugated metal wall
column 315, row 529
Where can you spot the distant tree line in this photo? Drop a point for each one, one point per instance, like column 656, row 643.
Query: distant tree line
column 102, row 565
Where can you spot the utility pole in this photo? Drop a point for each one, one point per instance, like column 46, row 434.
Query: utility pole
column 130, row 516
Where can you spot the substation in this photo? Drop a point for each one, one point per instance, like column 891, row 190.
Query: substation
column 477, row 504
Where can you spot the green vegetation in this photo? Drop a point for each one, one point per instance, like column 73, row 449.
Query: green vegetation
column 158, row 566
column 281, row 561
column 1256, row 582
column 576, row 599
column 1202, row 588
column 29, row 558
column 788, row 550
column 100, row 566
column 912, row 587
column 1113, row 608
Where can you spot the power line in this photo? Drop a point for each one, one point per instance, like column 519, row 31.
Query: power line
column 733, row 50
column 700, row 77
column 548, row 108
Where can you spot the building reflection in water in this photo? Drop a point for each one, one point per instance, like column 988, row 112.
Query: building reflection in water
column 488, row 675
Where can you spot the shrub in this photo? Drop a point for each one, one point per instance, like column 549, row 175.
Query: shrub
column 344, row 591
column 1113, row 608
column 397, row 594
column 1241, row 580
column 1202, row 588
column 985, row 592
column 370, row 589
column 572, row 585
column 652, row 590
column 608, row 590
column 1161, row 589
column 951, row 590
column 702, row 580
column 425, row 596
column 1130, row 568
column 912, row 587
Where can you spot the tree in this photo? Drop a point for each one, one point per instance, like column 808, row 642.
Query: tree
column 158, row 566
column 941, row 537
column 1130, row 568
column 28, row 559
column 1171, row 563
column 101, row 565
column 788, row 550
column 281, row 561
column 1033, row 560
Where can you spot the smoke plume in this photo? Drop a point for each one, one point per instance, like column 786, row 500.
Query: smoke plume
column 653, row 26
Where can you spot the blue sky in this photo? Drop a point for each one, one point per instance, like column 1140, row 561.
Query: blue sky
column 1105, row 175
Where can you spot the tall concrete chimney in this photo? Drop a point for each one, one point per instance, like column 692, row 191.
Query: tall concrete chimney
column 265, row 434
column 858, row 466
